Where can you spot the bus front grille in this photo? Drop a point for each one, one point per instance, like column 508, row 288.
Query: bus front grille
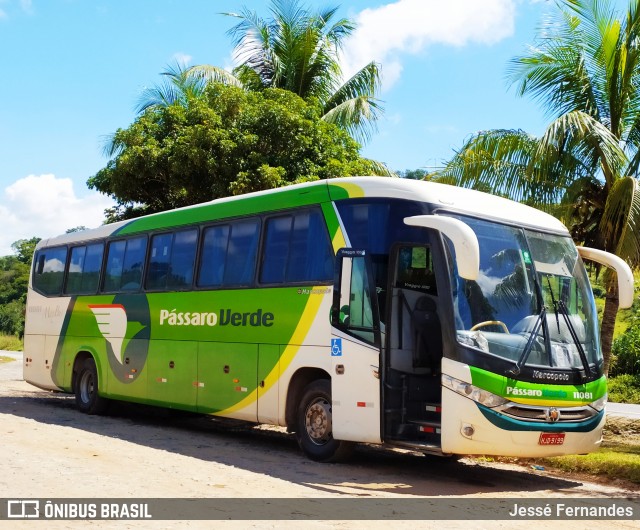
column 546, row 414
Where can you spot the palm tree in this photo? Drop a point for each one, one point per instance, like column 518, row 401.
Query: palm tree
column 585, row 70
column 298, row 50
column 177, row 88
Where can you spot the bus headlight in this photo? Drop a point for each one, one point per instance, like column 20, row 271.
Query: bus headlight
column 599, row 404
column 472, row 392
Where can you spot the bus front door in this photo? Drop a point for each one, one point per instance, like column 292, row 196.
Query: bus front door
column 355, row 350
column 412, row 392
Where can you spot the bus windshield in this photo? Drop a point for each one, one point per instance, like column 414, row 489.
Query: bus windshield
column 531, row 303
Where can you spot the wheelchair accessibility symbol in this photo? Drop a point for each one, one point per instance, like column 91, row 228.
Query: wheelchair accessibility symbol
column 336, row 347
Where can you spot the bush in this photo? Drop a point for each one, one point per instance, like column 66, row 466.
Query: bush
column 10, row 343
column 12, row 318
column 626, row 352
column 624, row 389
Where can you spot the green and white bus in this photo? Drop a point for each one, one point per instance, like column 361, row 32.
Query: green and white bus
column 365, row 309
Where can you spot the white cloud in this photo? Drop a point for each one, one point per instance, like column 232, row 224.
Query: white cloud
column 46, row 206
column 182, row 58
column 386, row 33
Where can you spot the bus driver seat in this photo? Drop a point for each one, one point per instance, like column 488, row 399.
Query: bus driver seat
column 427, row 335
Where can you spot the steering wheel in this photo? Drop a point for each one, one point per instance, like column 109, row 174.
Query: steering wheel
column 491, row 323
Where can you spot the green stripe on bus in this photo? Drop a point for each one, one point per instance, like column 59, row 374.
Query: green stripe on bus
column 545, row 394
column 265, row 202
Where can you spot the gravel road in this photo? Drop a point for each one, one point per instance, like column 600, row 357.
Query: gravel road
column 50, row 450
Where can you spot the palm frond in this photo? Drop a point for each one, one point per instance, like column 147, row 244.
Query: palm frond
column 251, row 38
column 357, row 116
column 378, row 168
column 177, row 87
column 620, row 225
column 500, row 161
column 297, row 50
column 365, row 82
column 213, row 74
column 575, row 144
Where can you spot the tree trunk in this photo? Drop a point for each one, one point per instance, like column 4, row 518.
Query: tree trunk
column 608, row 323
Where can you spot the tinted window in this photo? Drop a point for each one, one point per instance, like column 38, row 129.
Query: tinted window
column 297, row 249
column 415, row 269
column 183, row 258
column 375, row 225
column 84, row 269
column 229, row 254
column 49, row 270
column 172, row 260
column 124, row 265
column 159, row 261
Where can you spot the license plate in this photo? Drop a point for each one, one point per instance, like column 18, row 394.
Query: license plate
column 551, row 438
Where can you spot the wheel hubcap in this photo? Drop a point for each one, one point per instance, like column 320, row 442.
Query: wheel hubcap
column 318, row 421
column 86, row 387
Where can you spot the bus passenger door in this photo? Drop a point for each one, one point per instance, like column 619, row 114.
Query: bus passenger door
column 355, row 350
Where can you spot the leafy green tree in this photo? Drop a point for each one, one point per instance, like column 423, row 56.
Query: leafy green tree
column 24, row 249
column 298, row 50
column 414, row 174
column 585, row 70
column 80, row 228
column 226, row 141
column 14, row 279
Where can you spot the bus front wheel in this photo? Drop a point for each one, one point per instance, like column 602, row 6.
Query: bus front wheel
column 314, row 425
column 87, row 398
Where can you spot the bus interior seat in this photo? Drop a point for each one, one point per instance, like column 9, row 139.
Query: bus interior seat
column 416, row 347
column 427, row 335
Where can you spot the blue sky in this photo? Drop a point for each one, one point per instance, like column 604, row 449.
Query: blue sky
column 74, row 69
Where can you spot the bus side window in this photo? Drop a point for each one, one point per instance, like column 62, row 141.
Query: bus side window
column 297, row 249
column 172, row 259
column 354, row 304
column 159, row 261
column 229, row 254
column 49, row 270
column 84, row 269
column 240, row 261
column 183, row 259
column 124, row 264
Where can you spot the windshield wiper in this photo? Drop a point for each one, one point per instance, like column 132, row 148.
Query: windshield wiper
column 529, row 346
column 559, row 304
column 555, row 304
column 574, row 337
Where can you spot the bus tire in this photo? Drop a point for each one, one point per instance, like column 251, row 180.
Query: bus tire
column 314, row 425
column 87, row 398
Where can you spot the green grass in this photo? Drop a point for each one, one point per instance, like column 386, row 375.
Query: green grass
column 624, row 388
column 617, row 459
column 10, row 343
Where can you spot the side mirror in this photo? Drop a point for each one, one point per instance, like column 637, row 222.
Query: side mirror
column 462, row 236
column 623, row 271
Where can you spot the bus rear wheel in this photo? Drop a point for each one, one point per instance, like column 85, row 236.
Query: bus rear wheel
column 86, row 389
column 314, row 429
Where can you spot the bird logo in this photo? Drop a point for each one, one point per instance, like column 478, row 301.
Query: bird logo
column 112, row 323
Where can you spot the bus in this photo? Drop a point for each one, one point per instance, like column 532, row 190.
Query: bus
column 365, row 309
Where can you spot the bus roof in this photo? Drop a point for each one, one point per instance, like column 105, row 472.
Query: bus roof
column 441, row 196
column 456, row 199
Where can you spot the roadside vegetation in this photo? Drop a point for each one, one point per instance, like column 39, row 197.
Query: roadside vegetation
column 10, row 343
column 617, row 460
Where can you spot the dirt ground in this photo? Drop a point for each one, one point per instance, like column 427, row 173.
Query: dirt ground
column 50, row 450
